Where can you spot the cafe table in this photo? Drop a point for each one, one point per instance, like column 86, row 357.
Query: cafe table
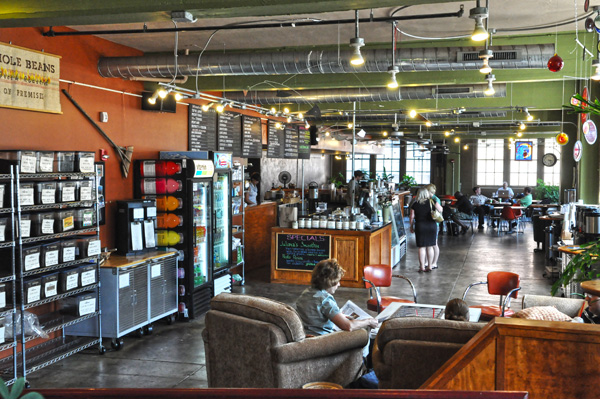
column 591, row 287
column 543, row 208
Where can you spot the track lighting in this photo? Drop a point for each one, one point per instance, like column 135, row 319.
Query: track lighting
column 323, row 156
column 428, row 123
column 327, row 133
column 357, row 42
column 385, row 133
column 412, row 113
column 489, row 91
column 206, row 107
column 519, row 134
column 350, row 125
column 289, row 119
column 307, row 125
column 522, row 126
column 393, row 83
column 162, row 93
column 447, row 133
column 301, row 116
column 457, row 139
column 178, row 96
column 152, row 99
column 528, row 116
column 485, row 55
column 273, row 110
column 466, row 147
column 479, row 14
column 278, row 125
column 286, row 110
column 220, row 107
column 596, row 75
column 338, row 157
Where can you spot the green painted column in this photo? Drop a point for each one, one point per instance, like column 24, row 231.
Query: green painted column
column 588, row 165
column 567, row 165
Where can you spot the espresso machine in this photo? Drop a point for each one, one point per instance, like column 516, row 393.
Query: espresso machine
column 313, row 196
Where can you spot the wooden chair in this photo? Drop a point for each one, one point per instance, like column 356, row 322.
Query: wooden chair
column 505, row 284
column 376, row 276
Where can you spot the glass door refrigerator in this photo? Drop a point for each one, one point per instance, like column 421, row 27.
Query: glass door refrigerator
column 185, row 223
column 222, row 193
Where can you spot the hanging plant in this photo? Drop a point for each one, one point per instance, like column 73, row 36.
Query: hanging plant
column 580, row 105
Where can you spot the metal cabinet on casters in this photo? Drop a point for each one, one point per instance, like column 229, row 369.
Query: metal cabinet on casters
column 135, row 291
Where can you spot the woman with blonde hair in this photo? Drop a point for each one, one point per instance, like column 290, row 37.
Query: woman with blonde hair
column 436, row 249
column 424, row 227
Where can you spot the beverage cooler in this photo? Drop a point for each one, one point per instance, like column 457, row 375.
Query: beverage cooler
column 183, row 189
column 222, row 194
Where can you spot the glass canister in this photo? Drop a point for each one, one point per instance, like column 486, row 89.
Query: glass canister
column 301, row 223
column 308, row 223
column 352, row 225
column 331, row 223
column 360, row 224
column 323, row 222
column 345, row 223
column 339, row 224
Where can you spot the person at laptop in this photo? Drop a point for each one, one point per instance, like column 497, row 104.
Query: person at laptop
column 479, row 202
column 505, row 192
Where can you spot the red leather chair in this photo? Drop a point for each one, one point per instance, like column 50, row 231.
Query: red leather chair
column 376, row 276
column 505, row 284
column 511, row 215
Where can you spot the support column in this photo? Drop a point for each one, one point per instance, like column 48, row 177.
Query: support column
column 568, row 172
column 588, row 165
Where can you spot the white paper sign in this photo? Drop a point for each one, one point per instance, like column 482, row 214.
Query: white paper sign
column 33, row 293
column 94, row 248
column 88, row 277
column 50, row 289
column 124, row 280
column 1, row 195
column 28, row 164
column 85, row 194
column 32, row 261
column 48, row 196
column 88, row 219
column 25, row 228
column 68, row 254
column 155, row 271
column 26, row 196
column 48, row 226
column 51, row 258
column 46, row 163
column 72, row 281
column 2, row 331
column 2, row 299
column 87, row 306
column 149, row 235
column 2, row 232
column 86, row 164
column 68, row 194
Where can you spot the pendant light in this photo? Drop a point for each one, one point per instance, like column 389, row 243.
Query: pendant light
column 393, row 69
column 485, row 55
column 490, row 91
column 357, row 42
column 479, row 14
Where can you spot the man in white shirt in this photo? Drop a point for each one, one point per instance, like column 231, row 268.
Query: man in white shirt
column 479, row 208
column 511, row 193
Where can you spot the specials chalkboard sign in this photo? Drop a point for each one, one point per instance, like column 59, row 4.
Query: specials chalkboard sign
column 202, row 129
column 229, row 133
column 275, row 141
column 303, row 143
column 251, row 137
column 301, row 251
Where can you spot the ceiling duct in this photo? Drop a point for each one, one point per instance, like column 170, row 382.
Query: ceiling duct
column 361, row 95
column 313, row 62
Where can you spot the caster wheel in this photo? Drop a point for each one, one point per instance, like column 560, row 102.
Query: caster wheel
column 148, row 329
column 117, row 344
column 140, row 332
column 102, row 350
column 27, row 384
column 171, row 319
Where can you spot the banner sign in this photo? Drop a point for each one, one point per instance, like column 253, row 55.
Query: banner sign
column 29, row 79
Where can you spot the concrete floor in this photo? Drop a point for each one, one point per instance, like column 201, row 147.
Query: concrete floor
column 173, row 356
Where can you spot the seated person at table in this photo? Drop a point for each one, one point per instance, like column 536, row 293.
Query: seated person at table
column 456, row 309
column 591, row 314
column 479, row 208
column 527, row 197
column 505, row 187
column 463, row 211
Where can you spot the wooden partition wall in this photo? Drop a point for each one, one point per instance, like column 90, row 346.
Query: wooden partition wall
column 547, row 359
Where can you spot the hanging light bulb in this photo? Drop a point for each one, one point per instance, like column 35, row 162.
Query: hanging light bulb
column 485, row 55
column 178, row 96
column 412, row 113
column 220, row 107
column 162, row 93
column 323, row 156
column 457, row 139
column 393, row 83
column 152, row 99
column 479, row 14
column 357, row 42
column 466, row 147
column 489, row 91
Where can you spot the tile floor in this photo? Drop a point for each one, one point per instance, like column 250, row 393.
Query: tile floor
column 173, row 356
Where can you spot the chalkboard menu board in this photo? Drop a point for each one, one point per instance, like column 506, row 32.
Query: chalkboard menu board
column 229, row 133
column 303, row 143
column 275, row 141
column 251, row 137
column 301, row 251
column 290, row 142
column 202, row 129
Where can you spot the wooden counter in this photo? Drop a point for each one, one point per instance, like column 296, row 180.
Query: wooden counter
column 259, row 220
column 125, row 261
column 352, row 249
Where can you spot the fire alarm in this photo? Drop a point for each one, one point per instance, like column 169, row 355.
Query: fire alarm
column 104, row 117
column 103, row 154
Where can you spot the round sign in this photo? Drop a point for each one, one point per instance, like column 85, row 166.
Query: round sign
column 590, row 132
column 577, row 150
column 585, row 95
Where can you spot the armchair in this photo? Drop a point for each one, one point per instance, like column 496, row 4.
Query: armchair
column 254, row 342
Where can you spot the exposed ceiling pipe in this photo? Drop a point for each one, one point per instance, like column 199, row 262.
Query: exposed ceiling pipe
column 362, row 94
column 321, row 62
column 161, row 80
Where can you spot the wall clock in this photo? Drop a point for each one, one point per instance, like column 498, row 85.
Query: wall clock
column 549, row 159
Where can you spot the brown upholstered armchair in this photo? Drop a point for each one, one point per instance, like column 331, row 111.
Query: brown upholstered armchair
column 254, row 342
column 409, row 350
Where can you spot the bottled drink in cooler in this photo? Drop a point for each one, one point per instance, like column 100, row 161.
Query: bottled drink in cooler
column 168, row 221
column 160, row 186
column 159, row 168
column 167, row 238
column 168, row 203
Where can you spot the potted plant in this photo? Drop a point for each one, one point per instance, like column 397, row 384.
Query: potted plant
column 544, row 191
column 581, row 267
column 407, row 182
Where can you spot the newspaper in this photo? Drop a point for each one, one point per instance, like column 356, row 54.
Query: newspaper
column 354, row 312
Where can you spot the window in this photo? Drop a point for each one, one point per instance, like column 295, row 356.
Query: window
column 552, row 173
column 390, row 161
column 523, row 173
column 418, row 163
column 361, row 162
column 490, row 162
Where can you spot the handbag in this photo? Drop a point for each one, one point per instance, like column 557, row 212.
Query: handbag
column 435, row 214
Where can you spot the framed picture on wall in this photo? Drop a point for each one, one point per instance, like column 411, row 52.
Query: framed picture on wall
column 101, row 184
column 524, row 151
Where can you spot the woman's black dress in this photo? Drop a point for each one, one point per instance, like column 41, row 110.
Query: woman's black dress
column 425, row 227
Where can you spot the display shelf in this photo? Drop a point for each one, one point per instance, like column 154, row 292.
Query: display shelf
column 6, row 279
column 56, row 175
column 7, row 244
column 58, row 235
column 55, row 350
column 5, row 210
column 7, row 365
column 60, row 296
column 5, row 176
column 54, row 321
column 7, row 345
column 5, row 313
column 58, row 205
column 46, row 269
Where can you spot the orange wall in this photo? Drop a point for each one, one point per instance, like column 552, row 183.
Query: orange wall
column 127, row 124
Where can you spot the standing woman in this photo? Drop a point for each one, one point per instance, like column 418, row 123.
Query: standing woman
column 424, row 227
column 436, row 249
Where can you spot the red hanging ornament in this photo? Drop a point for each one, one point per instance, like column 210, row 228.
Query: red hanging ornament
column 555, row 63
